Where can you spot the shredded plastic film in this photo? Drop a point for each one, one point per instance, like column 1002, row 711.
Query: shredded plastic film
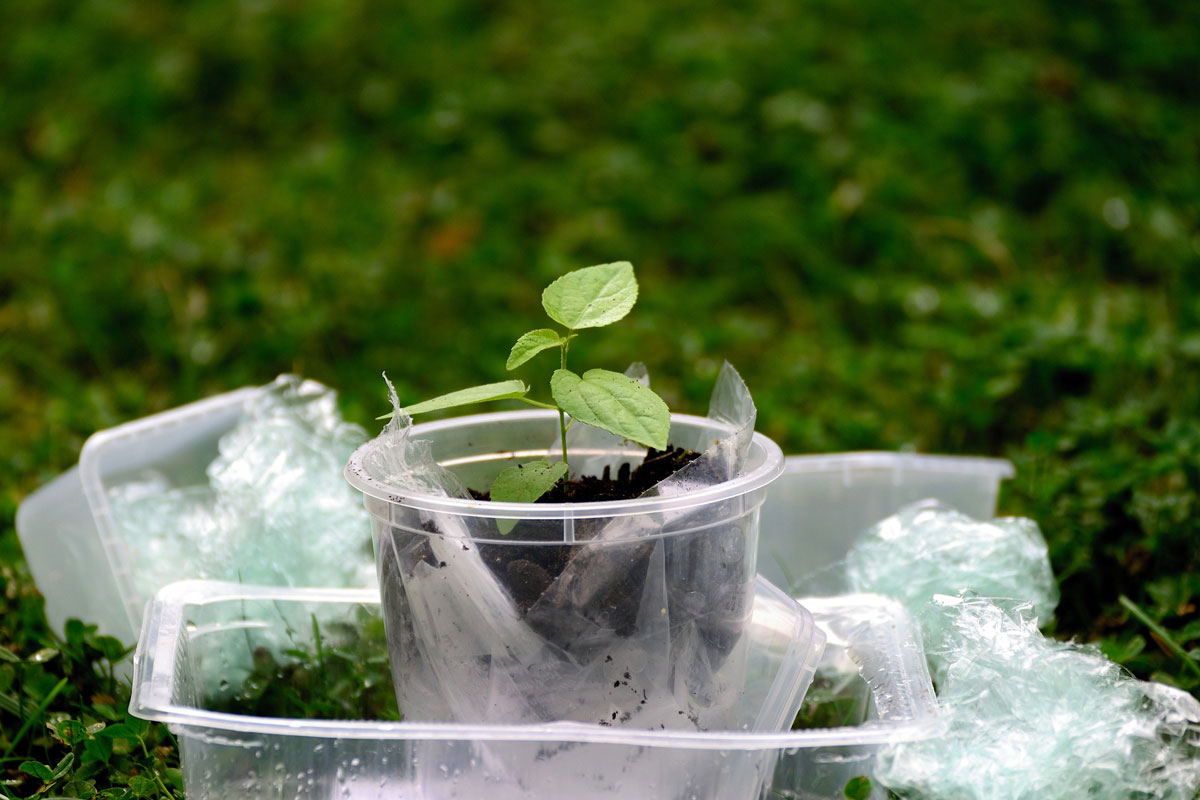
column 641, row 625
column 929, row 548
column 1029, row 718
column 275, row 510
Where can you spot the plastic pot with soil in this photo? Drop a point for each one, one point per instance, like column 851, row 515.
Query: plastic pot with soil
column 622, row 612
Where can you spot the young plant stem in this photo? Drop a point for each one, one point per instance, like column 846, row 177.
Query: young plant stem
column 162, row 787
column 536, row 403
column 562, row 417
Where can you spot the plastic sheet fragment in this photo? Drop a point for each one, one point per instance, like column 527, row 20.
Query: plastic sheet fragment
column 275, row 510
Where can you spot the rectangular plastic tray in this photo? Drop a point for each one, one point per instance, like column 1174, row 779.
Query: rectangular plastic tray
column 197, row 632
column 816, row 509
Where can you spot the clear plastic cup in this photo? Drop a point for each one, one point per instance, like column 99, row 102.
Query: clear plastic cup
column 642, row 627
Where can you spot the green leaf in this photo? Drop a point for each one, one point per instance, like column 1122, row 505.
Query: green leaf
column 503, row 390
column 142, row 786
column 118, row 731
column 76, row 631
column 70, row 732
column 1121, row 652
column 593, row 296
column 97, row 749
column 614, row 402
column 525, row 483
column 43, row 655
column 530, row 344
column 857, row 788
column 37, row 770
column 107, row 711
column 64, row 765
column 111, row 647
column 136, row 725
column 173, row 776
column 79, row 788
column 44, row 773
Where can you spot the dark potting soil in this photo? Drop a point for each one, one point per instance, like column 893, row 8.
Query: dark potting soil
column 528, row 570
column 657, row 466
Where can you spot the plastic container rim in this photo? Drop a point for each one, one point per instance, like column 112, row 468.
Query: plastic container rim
column 772, row 467
column 998, row 468
column 155, row 671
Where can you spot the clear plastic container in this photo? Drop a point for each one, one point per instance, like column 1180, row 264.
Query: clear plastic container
column 820, row 505
column 68, row 560
column 541, row 623
column 200, row 638
column 77, row 558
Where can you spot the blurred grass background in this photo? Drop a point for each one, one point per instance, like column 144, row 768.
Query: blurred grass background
column 962, row 227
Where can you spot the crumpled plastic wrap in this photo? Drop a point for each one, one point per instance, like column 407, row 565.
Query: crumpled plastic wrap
column 1029, row 718
column 640, row 628
column 929, row 548
column 276, row 509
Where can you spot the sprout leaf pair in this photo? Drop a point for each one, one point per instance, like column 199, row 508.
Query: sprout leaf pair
column 591, row 297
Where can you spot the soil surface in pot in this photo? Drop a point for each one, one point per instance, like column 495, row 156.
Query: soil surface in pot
column 528, row 570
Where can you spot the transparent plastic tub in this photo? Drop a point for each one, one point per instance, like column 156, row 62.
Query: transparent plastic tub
column 78, row 560
column 196, row 492
column 820, row 505
column 201, row 638
column 548, row 621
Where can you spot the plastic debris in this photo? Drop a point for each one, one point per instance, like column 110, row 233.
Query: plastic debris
column 1029, row 718
column 929, row 548
column 275, row 511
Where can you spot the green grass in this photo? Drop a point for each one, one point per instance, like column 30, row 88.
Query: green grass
column 344, row 674
column 957, row 227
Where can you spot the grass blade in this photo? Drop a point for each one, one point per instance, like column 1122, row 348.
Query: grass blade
column 37, row 712
column 1160, row 633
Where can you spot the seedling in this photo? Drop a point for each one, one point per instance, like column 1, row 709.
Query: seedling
column 591, row 297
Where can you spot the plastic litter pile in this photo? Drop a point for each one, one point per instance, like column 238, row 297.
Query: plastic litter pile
column 1025, row 717
column 1028, row 717
column 274, row 509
